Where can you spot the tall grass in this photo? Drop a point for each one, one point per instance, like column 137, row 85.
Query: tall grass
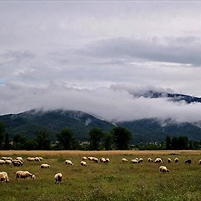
column 115, row 181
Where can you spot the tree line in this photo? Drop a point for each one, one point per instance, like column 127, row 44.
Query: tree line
column 117, row 138
column 171, row 143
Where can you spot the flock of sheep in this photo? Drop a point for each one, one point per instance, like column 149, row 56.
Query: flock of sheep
column 58, row 176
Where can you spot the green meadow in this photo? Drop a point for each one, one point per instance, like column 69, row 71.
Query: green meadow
column 113, row 181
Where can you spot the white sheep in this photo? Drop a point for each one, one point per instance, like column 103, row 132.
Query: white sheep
column 176, row 160
column 2, row 162
column 37, row 159
column 6, row 158
column 4, row 177
column 140, row 160
column 17, row 163
column 169, row 160
column 199, row 162
column 58, row 178
column 158, row 160
column 8, row 162
column 150, row 160
column 44, row 165
column 134, row 160
column 68, row 162
column 90, row 158
column 107, row 160
column 30, row 159
column 124, row 160
column 83, row 163
column 95, row 159
column 163, row 169
column 19, row 158
column 40, row 158
column 24, row 174
column 102, row 159
column 84, row 158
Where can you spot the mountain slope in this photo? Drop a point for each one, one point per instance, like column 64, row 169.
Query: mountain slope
column 152, row 130
column 171, row 96
column 145, row 130
column 30, row 122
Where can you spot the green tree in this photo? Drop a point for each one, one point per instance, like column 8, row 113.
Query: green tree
column 108, row 141
column 19, row 142
column 121, row 137
column 95, row 136
column 2, row 134
column 180, row 142
column 7, row 144
column 42, row 141
column 183, row 142
column 168, row 143
column 30, row 144
column 66, row 139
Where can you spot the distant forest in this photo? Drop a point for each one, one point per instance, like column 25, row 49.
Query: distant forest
column 117, row 138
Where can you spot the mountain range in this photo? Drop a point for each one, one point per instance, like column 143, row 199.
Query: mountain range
column 29, row 123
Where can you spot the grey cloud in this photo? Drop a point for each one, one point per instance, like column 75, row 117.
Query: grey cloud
column 93, row 56
column 176, row 50
column 112, row 105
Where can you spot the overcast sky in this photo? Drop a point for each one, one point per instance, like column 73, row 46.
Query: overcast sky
column 94, row 55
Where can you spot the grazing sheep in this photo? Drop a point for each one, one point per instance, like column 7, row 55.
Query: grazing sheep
column 84, row 158
column 107, row 160
column 83, row 163
column 102, row 159
column 40, row 158
column 150, row 160
column 124, row 160
column 169, row 160
column 163, row 169
column 6, row 158
column 30, row 159
column 19, row 158
column 37, row 159
column 94, row 159
column 24, row 174
column 44, row 165
column 158, row 160
column 2, row 162
column 188, row 161
column 140, row 160
column 8, row 162
column 200, row 162
column 17, row 163
column 90, row 158
column 4, row 177
column 176, row 160
column 58, row 178
column 134, row 161
column 68, row 162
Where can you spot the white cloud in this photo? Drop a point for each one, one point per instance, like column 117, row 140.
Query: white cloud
column 92, row 56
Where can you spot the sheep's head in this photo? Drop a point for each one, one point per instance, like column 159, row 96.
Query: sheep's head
column 33, row 176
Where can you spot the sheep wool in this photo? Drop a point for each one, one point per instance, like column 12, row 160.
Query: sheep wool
column 4, row 177
column 24, row 174
column 68, row 162
column 58, row 178
column 44, row 165
column 163, row 169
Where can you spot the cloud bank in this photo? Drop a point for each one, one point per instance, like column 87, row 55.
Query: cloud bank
column 93, row 56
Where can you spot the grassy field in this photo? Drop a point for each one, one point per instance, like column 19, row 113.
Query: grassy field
column 98, row 181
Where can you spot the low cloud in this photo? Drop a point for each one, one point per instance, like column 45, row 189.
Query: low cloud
column 112, row 104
